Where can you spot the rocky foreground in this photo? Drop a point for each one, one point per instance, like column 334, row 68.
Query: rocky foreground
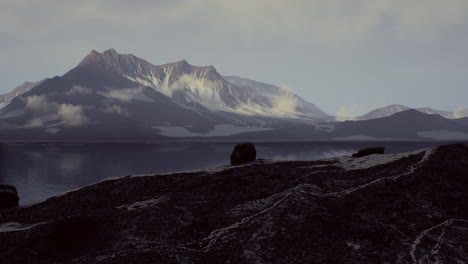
column 405, row 208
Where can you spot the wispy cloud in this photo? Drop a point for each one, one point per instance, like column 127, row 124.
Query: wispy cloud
column 347, row 112
column 286, row 101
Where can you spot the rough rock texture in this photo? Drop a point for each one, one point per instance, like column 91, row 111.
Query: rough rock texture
column 369, row 151
column 8, row 196
column 405, row 208
column 243, row 153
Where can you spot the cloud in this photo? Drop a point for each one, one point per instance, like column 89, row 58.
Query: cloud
column 77, row 89
column 46, row 111
column 285, row 101
column 72, row 114
column 460, row 113
column 38, row 104
column 202, row 90
column 347, row 112
column 316, row 20
column 116, row 109
column 127, row 95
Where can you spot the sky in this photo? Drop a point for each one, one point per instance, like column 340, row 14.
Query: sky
column 346, row 56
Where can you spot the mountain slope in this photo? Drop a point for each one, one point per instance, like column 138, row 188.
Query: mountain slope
column 273, row 92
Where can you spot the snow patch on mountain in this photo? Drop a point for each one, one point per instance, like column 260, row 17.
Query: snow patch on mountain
column 219, row 130
column 443, row 135
column 355, row 137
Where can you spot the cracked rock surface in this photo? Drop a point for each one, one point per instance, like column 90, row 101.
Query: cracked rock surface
column 400, row 208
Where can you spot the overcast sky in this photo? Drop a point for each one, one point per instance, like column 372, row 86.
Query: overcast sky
column 346, row 56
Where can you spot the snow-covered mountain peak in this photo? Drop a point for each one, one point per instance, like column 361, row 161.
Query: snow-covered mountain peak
column 193, row 85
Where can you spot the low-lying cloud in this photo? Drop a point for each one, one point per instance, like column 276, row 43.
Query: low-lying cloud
column 115, row 109
column 77, row 89
column 38, row 104
column 347, row 112
column 460, row 113
column 127, row 95
column 286, row 101
column 71, row 114
column 47, row 111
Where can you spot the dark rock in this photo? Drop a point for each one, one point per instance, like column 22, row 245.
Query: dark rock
column 66, row 238
column 369, row 151
column 243, row 153
column 8, row 196
column 408, row 208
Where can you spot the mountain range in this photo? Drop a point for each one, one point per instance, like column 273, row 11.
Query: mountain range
column 112, row 96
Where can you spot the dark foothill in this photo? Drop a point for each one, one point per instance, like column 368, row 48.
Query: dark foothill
column 8, row 196
column 369, row 151
column 243, row 153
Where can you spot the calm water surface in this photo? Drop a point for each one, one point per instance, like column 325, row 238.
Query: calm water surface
column 41, row 170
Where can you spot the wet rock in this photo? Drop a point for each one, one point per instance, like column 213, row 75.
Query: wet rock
column 369, row 151
column 8, row 196
column 243, row 153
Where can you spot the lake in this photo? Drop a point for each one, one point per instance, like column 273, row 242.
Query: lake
column 41, row 170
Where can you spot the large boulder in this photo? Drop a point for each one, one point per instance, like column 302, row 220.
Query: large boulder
column 8, row 196
column 243, row 153
column 369, row 151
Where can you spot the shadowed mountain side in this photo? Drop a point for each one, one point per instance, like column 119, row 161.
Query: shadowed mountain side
column 400, row 208
column 463, row 121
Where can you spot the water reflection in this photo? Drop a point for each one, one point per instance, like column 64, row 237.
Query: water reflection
column 42, row 170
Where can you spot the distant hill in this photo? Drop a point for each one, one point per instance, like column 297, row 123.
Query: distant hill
column 409, row 124
column 395, row 108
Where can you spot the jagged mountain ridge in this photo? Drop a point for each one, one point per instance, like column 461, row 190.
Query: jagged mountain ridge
column 109, row 96
column 204, row 85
